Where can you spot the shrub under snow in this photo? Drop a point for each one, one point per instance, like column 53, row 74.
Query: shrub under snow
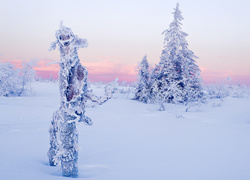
column 16, row 81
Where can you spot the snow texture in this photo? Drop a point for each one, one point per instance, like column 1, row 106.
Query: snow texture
column 130, row 139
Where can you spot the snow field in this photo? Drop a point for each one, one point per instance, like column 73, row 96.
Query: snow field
column 129, row 139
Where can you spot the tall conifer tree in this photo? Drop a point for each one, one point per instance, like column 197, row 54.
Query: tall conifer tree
column 142, row 90
column 176, row 78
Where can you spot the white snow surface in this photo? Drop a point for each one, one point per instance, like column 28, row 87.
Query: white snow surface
column 129, row 140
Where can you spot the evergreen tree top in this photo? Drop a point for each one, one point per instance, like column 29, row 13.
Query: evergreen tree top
column 177, row 13
column 144, row 63
column 173, row 33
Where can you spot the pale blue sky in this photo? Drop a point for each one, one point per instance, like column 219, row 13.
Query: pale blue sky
column 124, row 31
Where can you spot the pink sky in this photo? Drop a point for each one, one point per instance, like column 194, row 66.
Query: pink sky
column 226, row 77
column 120, row 33
column 100, row 71
column 107, row 71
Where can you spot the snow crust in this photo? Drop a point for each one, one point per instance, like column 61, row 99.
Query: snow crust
column 129, row 139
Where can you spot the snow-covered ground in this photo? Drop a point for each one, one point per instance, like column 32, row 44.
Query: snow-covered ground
column 129, row 140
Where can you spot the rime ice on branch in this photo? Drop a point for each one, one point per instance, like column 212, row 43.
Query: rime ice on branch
column 73, row 91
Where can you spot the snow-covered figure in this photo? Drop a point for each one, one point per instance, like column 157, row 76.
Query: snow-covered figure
column 142, row 89
column 177, row 77
column 73, row 90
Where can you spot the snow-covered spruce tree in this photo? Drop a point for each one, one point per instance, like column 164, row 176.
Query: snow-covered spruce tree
column 191, row 77
column 165, row 85
column 73, row 90
column 142, row 89
column 177, row 70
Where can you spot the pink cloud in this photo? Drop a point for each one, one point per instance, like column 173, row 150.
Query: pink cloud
column 212, row 76
column 105, row 71
column 42, row 68
column 18, row 63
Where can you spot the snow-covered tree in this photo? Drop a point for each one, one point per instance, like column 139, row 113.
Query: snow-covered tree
column 16, row 81
column 73, row 91
column 165, row 86
column 27, row 75
column 142, row 89
column 8, row 80
column 176, row 78
column 110, row 89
